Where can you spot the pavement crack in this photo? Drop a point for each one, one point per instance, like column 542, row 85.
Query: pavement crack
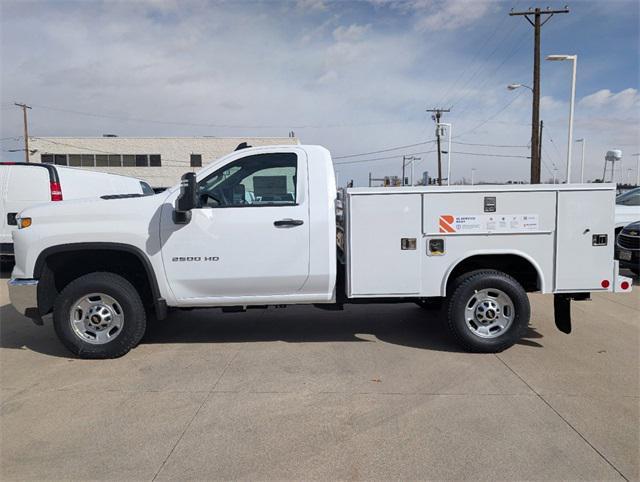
column 188, row 425
column 563, row 419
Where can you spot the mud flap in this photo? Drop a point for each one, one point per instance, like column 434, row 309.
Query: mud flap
column 562, row 312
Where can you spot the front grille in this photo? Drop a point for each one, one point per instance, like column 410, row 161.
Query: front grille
column 628, row 242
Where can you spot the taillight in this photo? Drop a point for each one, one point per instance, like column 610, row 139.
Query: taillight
column 56, row 191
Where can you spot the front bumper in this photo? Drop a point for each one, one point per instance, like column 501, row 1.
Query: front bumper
column 23, row 294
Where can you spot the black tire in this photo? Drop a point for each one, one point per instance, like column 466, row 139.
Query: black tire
column 462, row 295
column 121, row 290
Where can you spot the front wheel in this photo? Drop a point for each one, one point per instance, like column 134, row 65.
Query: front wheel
column 488, row 311
column 99, row 315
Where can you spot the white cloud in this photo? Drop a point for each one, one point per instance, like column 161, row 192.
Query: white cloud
column 352, row 33
column 624, row 100
column 436, row 15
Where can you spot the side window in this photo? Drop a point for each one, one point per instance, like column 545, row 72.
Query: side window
column 258, row 180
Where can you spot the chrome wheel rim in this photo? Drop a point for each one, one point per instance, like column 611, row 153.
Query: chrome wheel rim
column 96, row 318
column 489, row 313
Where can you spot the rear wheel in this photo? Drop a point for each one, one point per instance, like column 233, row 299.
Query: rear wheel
column 99, row 315
column 488, row 311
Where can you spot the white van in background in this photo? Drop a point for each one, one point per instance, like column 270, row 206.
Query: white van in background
column 23, row 185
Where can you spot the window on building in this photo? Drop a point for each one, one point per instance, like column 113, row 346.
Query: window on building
column 142, row 160
column 74, row 159
column 154, row 160
column 102, row 160
column 196, row 160
column 88, row 160
column 60, row 159
column 115, row 160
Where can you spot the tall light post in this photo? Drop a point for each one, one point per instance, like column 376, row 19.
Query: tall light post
column 574, row 62
column 582, row 159
column 637, row 156
column 448, row 127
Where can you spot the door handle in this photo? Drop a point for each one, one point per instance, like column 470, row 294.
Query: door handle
column 288, row 223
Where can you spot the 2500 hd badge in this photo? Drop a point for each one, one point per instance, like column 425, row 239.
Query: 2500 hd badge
column 176, row 259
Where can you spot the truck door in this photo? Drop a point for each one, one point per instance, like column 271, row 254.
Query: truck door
column 249, row 240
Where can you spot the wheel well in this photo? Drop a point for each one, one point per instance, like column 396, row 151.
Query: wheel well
column 515, row 266
column 58, row 269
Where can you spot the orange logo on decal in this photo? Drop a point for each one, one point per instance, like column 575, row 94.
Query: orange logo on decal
column 446, row 224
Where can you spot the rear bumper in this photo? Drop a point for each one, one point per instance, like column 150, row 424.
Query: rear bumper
column 622, row 284
column 23, row 294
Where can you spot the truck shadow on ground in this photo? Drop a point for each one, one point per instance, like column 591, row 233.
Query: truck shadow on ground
column 404, row 325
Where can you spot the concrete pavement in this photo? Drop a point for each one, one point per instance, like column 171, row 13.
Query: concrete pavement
column 374, row 392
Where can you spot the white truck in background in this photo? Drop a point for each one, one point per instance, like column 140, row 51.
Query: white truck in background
column 25, row 184
column 264, row 226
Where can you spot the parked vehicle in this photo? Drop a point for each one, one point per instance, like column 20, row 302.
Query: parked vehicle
column 24, row 184
column 627, row 208
column 628, row 244
column 258, row 227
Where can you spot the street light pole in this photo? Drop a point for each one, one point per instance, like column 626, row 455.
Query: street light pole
column 574, row 61
column 582, row 159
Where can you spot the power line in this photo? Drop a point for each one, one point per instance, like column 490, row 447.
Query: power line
column 480, row 68
column 220, row 126
column 397, row 156
column 491, row 117
column 389, row 149
column 482, row 154
column 477, row 58
column 487, row 145
column 513, row 51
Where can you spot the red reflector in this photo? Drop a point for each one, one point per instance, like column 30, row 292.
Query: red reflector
column 56, row 191
column 624, row 285
column 605, row 283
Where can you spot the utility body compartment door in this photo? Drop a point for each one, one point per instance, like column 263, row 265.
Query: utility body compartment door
column 384, row 236
column 585, row 239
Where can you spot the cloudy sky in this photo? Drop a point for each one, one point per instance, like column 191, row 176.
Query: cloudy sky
column 355, row 77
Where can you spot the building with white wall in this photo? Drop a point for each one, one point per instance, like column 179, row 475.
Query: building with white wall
column 158, row 160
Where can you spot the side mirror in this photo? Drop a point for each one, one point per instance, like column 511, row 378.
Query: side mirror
column 187, row 200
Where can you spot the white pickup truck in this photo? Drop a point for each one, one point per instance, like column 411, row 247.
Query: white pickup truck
column 265, row 226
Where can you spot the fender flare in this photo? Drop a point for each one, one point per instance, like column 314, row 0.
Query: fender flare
column 159, row 303
column 520, row 254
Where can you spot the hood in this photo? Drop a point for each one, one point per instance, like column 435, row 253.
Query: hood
column 632, row 229
column 95, row 209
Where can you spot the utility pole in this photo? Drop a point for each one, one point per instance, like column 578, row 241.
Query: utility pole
column 535, row 114
column 436, row 117
column 412, row 159
column 26, row 129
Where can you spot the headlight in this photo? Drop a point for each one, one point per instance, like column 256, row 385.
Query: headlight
column 23, row 222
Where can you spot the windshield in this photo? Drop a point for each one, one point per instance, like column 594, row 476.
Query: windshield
column 629, row 198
